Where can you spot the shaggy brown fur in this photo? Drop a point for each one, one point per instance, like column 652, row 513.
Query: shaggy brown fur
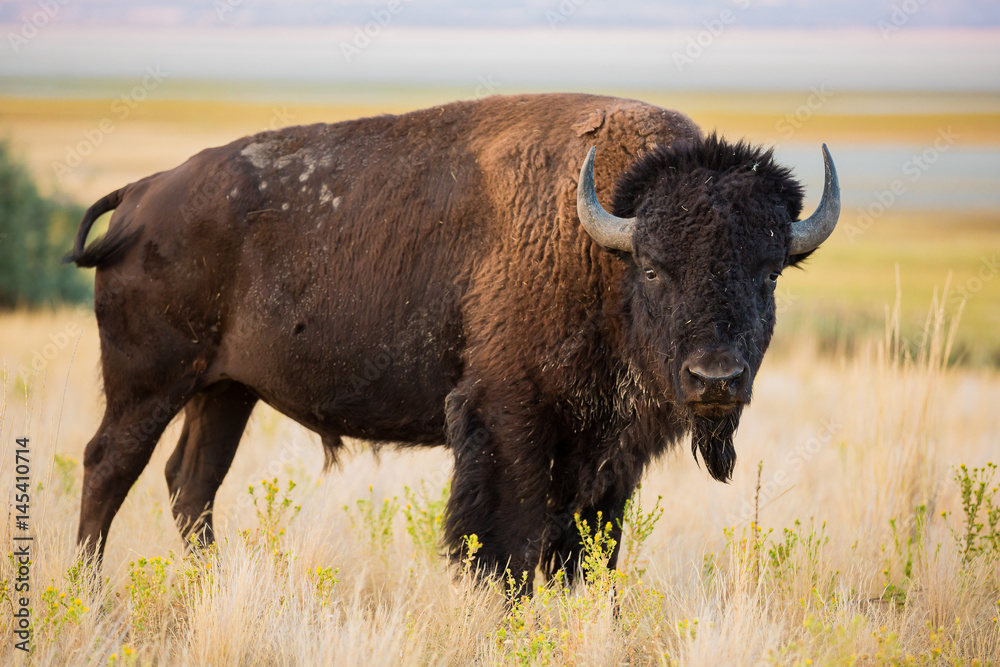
column 424, row 279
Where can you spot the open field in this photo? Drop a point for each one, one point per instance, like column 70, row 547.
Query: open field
column 860, row 554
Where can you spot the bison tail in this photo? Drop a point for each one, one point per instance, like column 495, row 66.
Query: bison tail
column 109, row 248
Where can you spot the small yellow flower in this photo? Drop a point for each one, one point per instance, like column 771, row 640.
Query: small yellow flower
column 86, row 608
column 127, row 650
column 78, row 601
column 62, row 595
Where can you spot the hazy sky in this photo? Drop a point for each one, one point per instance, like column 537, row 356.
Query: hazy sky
column 517, row 13
column 578, row 44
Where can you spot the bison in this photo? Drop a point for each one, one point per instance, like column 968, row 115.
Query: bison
column 443, row 277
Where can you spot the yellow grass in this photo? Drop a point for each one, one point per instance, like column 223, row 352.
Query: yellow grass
column 846, row 445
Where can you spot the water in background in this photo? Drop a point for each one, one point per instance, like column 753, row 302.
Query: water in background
column 276, row 64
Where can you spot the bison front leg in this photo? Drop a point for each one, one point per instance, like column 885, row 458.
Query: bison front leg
column 499, row 490
column 563, row 546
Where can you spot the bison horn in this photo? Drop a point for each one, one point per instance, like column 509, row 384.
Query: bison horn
column 608, row 230
column 809, row 233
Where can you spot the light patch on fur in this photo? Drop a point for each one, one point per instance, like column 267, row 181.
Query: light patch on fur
column 264, row 154
column 262, row 186
column 285, row 206
column 259, row 153
column 309, row 157
column 327, row 197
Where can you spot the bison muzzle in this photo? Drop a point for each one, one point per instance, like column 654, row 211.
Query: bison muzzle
column 444, row 277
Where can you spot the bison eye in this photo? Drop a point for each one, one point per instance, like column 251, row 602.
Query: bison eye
column 772, row 277
column 650, row 274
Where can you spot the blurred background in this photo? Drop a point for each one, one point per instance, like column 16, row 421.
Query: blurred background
column 97, row 93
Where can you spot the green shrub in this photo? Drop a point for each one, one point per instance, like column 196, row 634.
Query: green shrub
column 35, row 233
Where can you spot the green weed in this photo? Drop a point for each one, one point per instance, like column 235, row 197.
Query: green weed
column 636, row 527
column 147, row 591
column 424, row 517
column 906, row 551
column 274, row 511
column 374, row 521
column 63, row 606
column 65, row 468
column 324, row 580
column 980, row 533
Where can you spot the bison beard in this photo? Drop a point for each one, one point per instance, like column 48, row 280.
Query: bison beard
column 714, row 439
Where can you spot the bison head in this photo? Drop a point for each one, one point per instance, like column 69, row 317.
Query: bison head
column 706, row 228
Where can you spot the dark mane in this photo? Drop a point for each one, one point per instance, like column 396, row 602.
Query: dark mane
column 709, row 154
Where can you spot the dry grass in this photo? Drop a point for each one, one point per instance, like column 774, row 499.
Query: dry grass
column 850, row 560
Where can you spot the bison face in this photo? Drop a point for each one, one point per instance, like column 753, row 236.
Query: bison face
column 706, row 228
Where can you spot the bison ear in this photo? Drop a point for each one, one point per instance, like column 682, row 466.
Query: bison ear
column 795, row 261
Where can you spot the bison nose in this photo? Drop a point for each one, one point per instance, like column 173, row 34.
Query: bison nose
column 715, row 378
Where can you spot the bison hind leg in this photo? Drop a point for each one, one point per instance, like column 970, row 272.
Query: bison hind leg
column 115, row 457
column 214, row 421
